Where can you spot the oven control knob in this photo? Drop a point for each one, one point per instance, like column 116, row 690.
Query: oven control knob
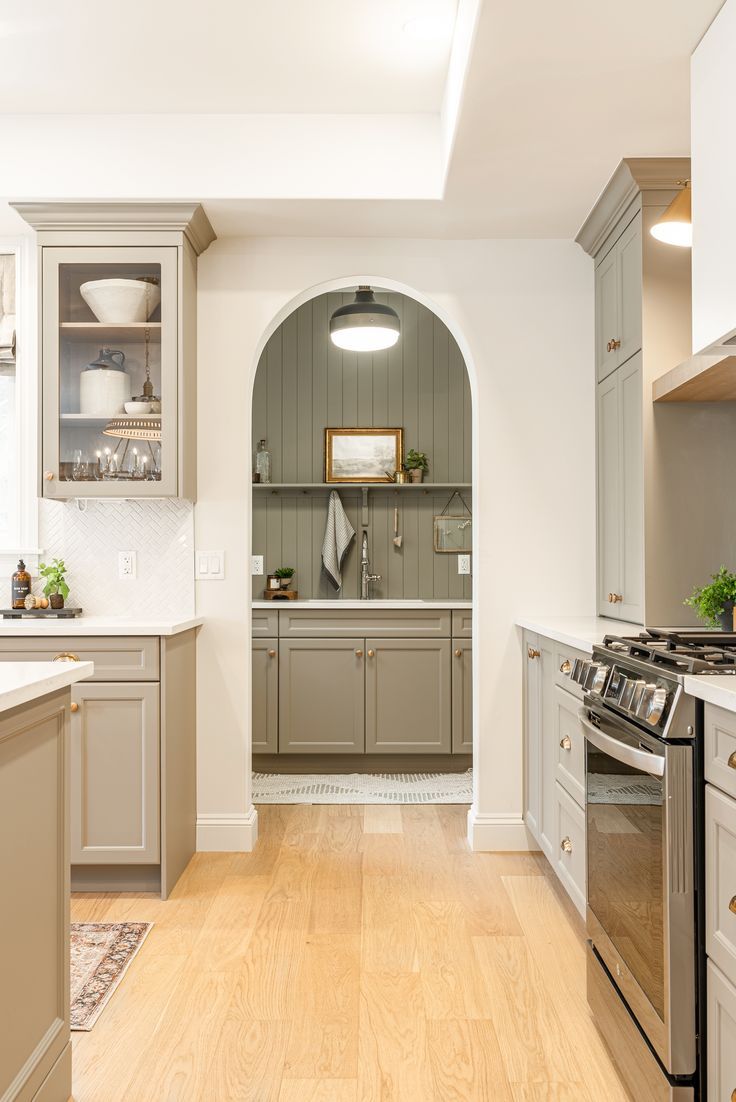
column 577, row 670
column 657, row 706
column 645, row 702
column 599, row 678
column 637, row 693
column 590, row 672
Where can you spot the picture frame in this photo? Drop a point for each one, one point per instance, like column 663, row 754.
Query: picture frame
column 363, row 454
column 453, row 535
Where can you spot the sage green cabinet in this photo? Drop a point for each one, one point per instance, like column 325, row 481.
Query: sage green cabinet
column 407, row 691
column 618, row 291
column 265, row 691
column 115, row 748
column 321, row 696
column 462, row 697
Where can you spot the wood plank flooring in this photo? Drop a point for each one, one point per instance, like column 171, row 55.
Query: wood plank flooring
column 358, row 955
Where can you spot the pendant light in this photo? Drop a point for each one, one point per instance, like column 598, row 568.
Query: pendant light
column 675, row 227
column 364, row 325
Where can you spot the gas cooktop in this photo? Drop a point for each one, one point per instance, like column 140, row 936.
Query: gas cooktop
column 679, row 652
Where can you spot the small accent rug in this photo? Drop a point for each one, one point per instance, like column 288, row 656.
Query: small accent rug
column 100, row 955
column 614, row 788
column 363, row 788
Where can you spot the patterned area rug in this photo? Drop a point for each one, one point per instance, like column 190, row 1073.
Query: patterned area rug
column 363, row 788
column 100, row 955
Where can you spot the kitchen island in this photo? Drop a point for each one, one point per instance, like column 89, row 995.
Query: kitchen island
column 35, row 1048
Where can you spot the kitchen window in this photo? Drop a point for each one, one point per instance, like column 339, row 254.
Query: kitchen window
column 18, row 396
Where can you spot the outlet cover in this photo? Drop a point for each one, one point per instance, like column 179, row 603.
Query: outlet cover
column 210, row 566
column 256, row 564
column 463, row 564
column 126, row 564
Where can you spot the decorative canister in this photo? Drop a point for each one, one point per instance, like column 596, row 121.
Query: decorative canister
column 104, row 385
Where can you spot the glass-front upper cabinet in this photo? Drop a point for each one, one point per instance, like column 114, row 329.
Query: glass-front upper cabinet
column 110, row 371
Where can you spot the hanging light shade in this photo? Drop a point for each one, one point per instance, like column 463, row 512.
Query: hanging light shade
column 134, row 428
column 364, row 325
column 675, row 227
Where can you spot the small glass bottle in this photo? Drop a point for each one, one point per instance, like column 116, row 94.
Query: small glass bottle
column 20, row 585
column 263, row 462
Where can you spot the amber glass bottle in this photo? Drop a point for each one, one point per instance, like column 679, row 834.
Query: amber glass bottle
column 20, row 585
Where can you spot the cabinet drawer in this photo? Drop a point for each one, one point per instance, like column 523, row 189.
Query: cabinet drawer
column 721, row 1036
column 720, row 880
column 564, row 659
column 720, row 748
column 569, row 746
column 462, row 623
column 405, row 623
column 116, row 657
column 265, row 624
column 569, row 860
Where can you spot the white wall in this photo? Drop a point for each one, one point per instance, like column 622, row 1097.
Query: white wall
column 522, row 312
column 713, row 123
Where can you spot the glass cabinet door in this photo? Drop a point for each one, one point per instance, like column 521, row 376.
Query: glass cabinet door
column 110, row 324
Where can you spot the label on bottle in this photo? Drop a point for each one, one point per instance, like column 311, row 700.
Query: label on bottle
column 20, row 589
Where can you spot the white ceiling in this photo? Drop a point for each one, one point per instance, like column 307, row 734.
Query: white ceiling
column 234, row 56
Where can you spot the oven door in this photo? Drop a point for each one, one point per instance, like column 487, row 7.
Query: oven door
column 640, row 863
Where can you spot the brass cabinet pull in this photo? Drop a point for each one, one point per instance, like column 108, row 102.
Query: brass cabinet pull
column 65, row 656
column 49, row 476
column 74, row 706
column 566, row 845
column 532, row 653
column 458, row 653
column 371, row 654
column 565, row 743
column 272, row 654
column 732, row 760
column 565, row 667
column 358, row 654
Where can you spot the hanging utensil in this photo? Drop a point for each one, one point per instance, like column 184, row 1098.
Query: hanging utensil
column 397, row 537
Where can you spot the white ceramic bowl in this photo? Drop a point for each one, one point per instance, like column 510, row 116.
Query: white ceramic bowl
column 138, row 407
column 121, row 300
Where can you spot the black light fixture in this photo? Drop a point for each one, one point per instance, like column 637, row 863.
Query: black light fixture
column 364, row 325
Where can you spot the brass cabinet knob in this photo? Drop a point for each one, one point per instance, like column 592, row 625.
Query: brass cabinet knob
column 565, row 667
column 566, row 845
column 732, row 905
column 458, row 653
column 732, row 760
column 49, row 476
column 615, row 598
column 74, row 706
column 371, row 654
column 272, row 654
column 565, row 743
column 615, row 344
column 358, row 654
column 532, row 653
column 733, row 1095
column 65, row 656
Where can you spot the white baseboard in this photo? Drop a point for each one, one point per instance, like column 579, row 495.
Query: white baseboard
column 227, row 833
column 489, row 833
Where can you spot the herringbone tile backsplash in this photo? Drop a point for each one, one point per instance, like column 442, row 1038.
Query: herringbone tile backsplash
column 89, row 539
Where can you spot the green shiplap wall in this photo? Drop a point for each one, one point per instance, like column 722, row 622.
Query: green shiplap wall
column 305, row 384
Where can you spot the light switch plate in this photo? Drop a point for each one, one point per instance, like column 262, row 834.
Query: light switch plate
column 209, row 566
column 126, row 564
column 256, row 564
column 463, row 564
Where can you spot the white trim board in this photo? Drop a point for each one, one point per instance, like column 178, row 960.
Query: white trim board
column 227, row 833
column 498, row 833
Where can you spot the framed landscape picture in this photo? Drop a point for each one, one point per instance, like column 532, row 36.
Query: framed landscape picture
column 363, row 455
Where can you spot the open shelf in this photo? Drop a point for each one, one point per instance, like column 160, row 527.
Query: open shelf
column 428, row 487
column 709, row 376
column 108, row 331
column 86, row 419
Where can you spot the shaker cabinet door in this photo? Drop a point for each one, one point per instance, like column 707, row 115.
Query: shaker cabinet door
column 629, row 278
column 606, row 315
column 265, row 691
column 462, row 697
column 609, row 497
column 115, row 748
column 321, row 696
column 408, row 696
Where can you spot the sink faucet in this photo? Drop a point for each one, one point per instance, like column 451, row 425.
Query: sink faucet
column 365, row 576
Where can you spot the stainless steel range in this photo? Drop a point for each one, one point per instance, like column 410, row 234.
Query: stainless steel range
column 644, row 853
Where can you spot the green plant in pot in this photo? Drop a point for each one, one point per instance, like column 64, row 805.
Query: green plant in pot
column 416, row 463
column 714, row 603
column 55, row 588
column 286, row 574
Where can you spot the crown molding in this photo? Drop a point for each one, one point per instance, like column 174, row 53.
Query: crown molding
column 187, row 218
column 633, row 176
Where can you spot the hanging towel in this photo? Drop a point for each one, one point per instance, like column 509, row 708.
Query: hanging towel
column 338, row 534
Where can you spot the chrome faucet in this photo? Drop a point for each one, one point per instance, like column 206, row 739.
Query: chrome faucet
column 365, row 576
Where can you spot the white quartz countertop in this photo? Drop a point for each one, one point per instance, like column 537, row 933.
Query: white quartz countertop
column 717, row 689
column 22, row 682
column 581, row 632
column 95, row 625
column 365, row 605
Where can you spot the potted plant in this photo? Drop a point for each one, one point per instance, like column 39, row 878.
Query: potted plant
column 416, row 463
column 714, row 603
column 55, row 588
column 285, row 573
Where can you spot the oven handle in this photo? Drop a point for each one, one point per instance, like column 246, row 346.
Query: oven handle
column 628, row 755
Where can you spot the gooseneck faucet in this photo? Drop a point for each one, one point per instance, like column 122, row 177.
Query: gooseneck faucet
column 365, row 575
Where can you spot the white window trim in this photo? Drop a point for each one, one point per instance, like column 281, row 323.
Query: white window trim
column 27, row 395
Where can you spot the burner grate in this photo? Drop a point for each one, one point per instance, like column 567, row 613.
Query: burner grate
column 683, row 652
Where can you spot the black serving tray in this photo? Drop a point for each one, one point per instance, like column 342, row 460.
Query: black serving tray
column 40, row 613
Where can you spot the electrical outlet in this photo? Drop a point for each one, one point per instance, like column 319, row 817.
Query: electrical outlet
column 126, row 564
column 256, row 564
column 463, row 564
column 210, row 566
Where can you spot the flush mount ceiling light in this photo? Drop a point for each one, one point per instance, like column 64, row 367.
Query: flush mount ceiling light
column 675, row 227
column 429, row 28
column 364, row 325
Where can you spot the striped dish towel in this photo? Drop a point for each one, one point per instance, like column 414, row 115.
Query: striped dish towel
column 338, row 534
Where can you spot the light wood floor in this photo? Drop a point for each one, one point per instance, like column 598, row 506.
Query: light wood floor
column 358, row 955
